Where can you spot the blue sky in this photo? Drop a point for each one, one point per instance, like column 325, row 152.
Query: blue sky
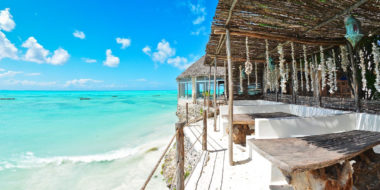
column 100, row 45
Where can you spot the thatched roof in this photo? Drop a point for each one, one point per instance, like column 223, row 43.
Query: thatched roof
column 198, row 69
column 304, row 22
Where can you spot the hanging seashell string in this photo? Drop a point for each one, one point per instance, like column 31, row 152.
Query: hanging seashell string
column 248, row 64
column 256, row 76
column 282, row 71
column 323, row 68
column 268, row 62
column 301, row 71
column 363, row 70
column 376, row 59
column 241, row 79
column 335, row 71
column 330, row 80
column 306, row 69
column 344, row 57
column 295, row 80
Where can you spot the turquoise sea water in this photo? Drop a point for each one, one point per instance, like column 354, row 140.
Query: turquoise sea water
column 55, row 140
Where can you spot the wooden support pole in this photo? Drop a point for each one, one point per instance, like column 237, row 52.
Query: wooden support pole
column 187, row 113
column 179, row 90
column 194, row 89
column 276, row 95
column 180, row 156
column 225, row 80
column 209, row 90
column 215, row 103
column 204, row 100
column 354, row 78
column 204, row 136
column 230, row 99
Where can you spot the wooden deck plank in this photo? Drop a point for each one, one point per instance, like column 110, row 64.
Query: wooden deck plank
column 317, row 151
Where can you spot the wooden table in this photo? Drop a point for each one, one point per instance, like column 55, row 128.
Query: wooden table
column 241, row 124
column 315, row 157
column 249, row 119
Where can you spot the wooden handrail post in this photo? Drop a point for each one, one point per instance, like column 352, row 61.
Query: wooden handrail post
column 180, row 156
column 204, row 136
column 187, row 113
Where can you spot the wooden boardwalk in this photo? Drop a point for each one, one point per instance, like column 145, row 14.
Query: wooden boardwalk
column 213, row 170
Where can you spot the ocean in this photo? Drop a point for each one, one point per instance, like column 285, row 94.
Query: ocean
column 83, row 139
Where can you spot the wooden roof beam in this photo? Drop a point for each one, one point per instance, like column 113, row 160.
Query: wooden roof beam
column 223, row 37
column 239, row 59
column 276, row 37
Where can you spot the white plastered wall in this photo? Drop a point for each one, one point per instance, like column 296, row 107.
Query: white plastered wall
column 267, row 107
column 303, row 126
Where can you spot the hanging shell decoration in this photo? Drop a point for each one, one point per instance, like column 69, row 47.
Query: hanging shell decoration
column 376, row 59
column 295, row 79
column 241, row 79
column 363, row 69
column 282, row 68
column 335, row 70
column 256, row 76
column 301, row 71
column 323, row 67
column 248, row 64
column 344, row 57
column 330, row 80
column 306, row 69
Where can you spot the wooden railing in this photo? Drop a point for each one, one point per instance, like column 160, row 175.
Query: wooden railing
column 179, row 175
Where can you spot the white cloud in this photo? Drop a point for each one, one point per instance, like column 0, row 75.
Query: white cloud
column 1, row 69
column 79, row 34
column 6, row 20
column 38, row 54
column 179, row 62
column 147, row 50
column 9, row 73
column 199, row 11
column 30, row 83
column 81, row 82
column 125, row 42
column 164, row 51
column 201, row 30
column 141, row 80
column 111, row 60
column 59, row 57
column 32, row 74
column 199, row 20
column 88, row 60
column 7, row 49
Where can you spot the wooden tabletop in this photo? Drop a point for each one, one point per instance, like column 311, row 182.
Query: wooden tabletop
column 314, row 152
column 249, row 119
